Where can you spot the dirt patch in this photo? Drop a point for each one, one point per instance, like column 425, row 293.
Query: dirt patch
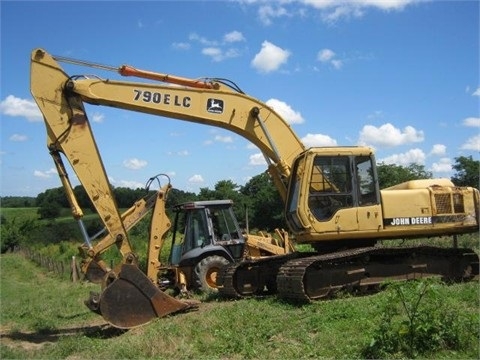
column 32, row 341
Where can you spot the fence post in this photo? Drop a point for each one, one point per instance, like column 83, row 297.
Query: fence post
column 74, row 270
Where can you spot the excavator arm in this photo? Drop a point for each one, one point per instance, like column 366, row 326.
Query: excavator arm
column 129, row 298
column 209, row 102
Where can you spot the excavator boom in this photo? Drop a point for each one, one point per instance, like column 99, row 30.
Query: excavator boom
column 217, row 105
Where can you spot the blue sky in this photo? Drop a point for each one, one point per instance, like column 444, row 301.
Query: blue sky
column 400, row 76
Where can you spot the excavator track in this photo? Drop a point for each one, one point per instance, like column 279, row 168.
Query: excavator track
column 366, row 269
column 307, row 277
column 253, row 277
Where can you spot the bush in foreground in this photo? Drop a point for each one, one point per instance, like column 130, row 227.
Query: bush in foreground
column 418, row 318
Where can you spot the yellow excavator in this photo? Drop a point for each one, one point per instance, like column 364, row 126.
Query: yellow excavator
column 331, row 194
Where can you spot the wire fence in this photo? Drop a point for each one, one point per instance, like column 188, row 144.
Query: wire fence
column 62, row 268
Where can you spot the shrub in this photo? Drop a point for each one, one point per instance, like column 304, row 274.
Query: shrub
column 416, row 318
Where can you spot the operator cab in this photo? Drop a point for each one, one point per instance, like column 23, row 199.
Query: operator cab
column 332, row 190
column 204, row 228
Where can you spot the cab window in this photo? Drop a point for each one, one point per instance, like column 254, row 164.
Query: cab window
column 330, row 186
column 367, row 194
column 196, row 232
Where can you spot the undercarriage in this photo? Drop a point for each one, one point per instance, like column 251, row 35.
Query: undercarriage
column 305, row 277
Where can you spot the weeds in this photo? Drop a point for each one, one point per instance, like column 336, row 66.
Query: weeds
column 418, row 318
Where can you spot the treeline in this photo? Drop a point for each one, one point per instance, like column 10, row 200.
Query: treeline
column 258, row 196
column 258, row 200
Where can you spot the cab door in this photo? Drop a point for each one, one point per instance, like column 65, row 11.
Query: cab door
column 331, row 195
column 369, row 209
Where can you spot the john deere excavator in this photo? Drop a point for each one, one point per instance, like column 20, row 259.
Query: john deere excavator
column 331, row 194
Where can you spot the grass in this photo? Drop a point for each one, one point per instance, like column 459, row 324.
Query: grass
column 43, row 317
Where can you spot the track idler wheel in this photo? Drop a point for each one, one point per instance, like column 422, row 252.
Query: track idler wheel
column 131, row 299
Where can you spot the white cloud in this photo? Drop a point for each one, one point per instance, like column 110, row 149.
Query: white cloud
column 472, row 122
column 45, row 174
column 334, row 10
column 267, row 12
column 178, row 153
column 472, row 143
column 325, row 55
column 18, row 137
column 476, row 92
column 134, row 163
column 181, row 45
column 202, row 40
column 13, row 106
column 314, row 140
column 214, row 52
column 223, row 139
column 330, row 11
column 442, row 166
column 98, row 118
column 131, row 184
column 214, row 49
column 383, row 4
column 285, row 111
column 217, row 54
column 377, row 114
column 257, row 160
column 270, row 58
column 196, row 179
column 233, row 36
column 387, row 135
column 415, row 156
column 329, row 56
column 337, row 64
column 438, row 150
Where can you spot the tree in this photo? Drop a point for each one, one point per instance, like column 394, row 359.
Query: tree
column 82, row 198
column 49, row 210
column 17, row 201
column 13, row 233
column 391, row 174
column 467, row 172
column 264, row 203
column 56, row 195
column 176, row 196
column 51, row 202
column 225, row 190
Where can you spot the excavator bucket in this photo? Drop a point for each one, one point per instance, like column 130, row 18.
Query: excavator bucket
column 131, row 300
column 94, row 271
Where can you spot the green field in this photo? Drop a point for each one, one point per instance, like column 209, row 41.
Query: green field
column 20, row 214
column 43, row 317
